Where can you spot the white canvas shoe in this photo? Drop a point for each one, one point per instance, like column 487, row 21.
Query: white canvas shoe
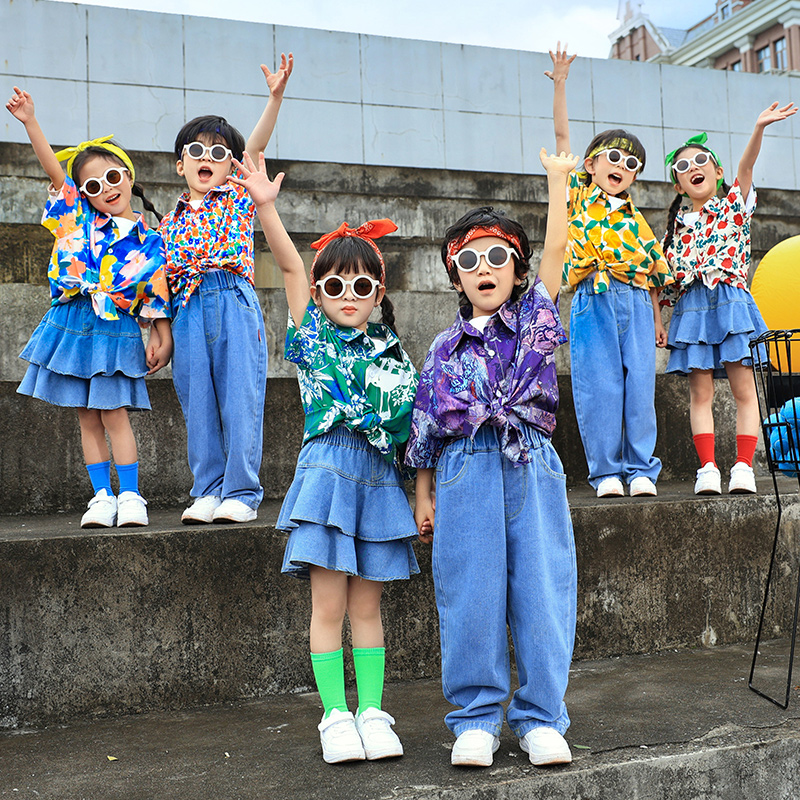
column 233, row 510
column 131, row 510
column 643, row 487
column 474, row 748
column 102, row 511
column 202, row 510
column 743, row 479
column 339, row 738
column 375, row 729
column 545, row 746
column 610, row 487
column 708, row 480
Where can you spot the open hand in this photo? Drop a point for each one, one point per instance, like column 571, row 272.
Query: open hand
column 256, row 181
column 775, row 114
column 558, row 165
column 21, row 105
column 561, row 62
column 276, row 81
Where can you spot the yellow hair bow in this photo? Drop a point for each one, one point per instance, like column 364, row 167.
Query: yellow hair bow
column 104, row 142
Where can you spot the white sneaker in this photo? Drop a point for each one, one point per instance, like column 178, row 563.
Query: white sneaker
column 102, row 511
column 233, row 510
column 202, row 510
column 131, row 510
column 339, row 738
column 743, row 479
column 545, row 746
column 610, row 487
column 375, row 729
column 708, row 480
column 474, row 748
column 643, row 487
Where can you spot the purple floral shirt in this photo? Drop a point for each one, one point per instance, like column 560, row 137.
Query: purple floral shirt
column 505, row 376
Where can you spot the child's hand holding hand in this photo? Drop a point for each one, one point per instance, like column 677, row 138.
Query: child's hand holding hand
column 21, row 106
column 276, row 81
column 775, row 114
column 557, row 165
column 424, row 512
column 256, row 181
column 159, row 348
column 561, row 62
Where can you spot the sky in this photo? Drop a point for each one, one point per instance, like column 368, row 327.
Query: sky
column 514, row 24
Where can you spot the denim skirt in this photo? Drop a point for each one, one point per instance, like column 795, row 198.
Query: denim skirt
column 81, row 361
column 347, row 511
column 711, row 327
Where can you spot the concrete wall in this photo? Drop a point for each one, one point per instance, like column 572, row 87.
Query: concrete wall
column 361, row 99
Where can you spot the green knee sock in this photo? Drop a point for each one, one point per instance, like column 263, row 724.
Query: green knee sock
column 369, row 663
column 329, row 675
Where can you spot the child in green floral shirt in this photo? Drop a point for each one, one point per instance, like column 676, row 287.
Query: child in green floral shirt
column 349, row 522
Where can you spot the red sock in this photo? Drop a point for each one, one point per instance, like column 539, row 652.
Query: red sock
column 704, row 444
column 746, row 448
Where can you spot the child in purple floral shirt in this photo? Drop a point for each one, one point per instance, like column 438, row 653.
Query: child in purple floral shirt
column 503, row 551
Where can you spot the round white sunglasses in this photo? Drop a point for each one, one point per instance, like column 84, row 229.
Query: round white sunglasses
column 216, row 152
column 111, row 177
column 497, row 256
column 619, row 159
column 698, row 160
column 362, row 286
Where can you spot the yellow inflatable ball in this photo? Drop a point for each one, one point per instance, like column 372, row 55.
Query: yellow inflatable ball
column 776, row 290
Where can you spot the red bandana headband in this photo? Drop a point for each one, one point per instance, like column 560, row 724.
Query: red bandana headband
column 476, row 233
column 373, row 229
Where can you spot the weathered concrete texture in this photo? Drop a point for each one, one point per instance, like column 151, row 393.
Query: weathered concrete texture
column 42, row 468
column 176, row 616
column 666, row 727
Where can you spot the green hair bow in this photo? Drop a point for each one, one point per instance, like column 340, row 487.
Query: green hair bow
column 697, row 139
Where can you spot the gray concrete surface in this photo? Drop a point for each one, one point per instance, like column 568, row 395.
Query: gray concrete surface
column 671, row 726
column 174, row 616
column 376, row 100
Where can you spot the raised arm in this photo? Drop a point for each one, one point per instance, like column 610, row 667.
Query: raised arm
column 264, row 193
column 276, row 83
column 555, row 238
column 559, row 74
column 753, row 148
column 21, row 106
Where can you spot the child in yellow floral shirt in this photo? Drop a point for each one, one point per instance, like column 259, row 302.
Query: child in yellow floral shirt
column 617, row 268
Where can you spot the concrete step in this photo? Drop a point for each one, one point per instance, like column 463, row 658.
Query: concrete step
column 42, row 468
column 173, row 616
column 671, row 726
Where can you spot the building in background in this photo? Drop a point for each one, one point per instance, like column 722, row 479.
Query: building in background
column 738, row 35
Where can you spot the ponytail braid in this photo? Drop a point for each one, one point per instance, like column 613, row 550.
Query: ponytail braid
column 387, row 314
column 673, row 213
column 137, row 190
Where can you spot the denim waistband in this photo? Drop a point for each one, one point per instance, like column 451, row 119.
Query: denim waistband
column 586, row 286
column 342, row 436
column 222, row 279
column 487, row 439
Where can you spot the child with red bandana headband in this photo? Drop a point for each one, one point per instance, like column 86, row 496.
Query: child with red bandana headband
column 503, row 551
column 617, row 268
column 347, row 515
column 707, row 245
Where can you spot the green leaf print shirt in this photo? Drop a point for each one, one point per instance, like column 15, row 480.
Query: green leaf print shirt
column 365, row 381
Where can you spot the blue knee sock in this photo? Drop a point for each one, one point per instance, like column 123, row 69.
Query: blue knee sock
column 128, row 475
column 100, row 476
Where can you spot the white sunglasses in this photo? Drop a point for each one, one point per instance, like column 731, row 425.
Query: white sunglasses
column 216, row 152
column 467, row 259
column 362, row 286
column 698, row 160
column 619, row 159
column 111, row 177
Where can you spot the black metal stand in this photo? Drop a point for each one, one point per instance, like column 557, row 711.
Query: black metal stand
column 776, row 384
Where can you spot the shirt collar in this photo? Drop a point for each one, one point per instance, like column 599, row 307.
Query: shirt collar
column 184, row 199
column 374, row 331
column 140, row 226
column 506, row 314
column 597, row 194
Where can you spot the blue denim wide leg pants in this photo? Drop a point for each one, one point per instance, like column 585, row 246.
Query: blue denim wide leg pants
column 503, row 554
column 613, row 355
column 220, row 371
